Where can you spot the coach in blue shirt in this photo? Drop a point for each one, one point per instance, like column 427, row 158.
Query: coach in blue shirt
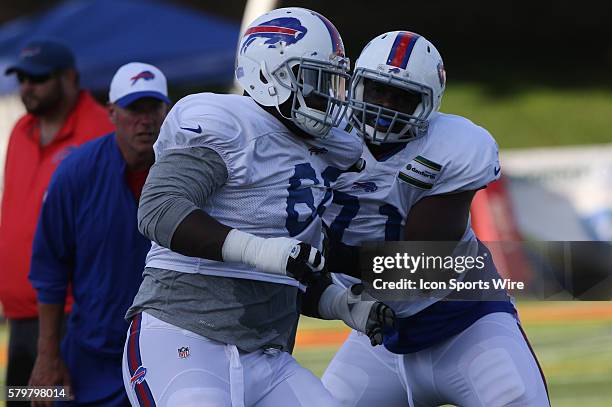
column 87, row 237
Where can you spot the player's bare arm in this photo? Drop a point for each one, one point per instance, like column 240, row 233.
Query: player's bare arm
column 199, row 235
column 439, row 217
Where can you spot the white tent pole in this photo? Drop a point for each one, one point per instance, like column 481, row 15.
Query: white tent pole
column 252, row 10
column 11, row 109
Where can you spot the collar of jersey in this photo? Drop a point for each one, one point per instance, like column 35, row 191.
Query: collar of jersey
column 389, row 153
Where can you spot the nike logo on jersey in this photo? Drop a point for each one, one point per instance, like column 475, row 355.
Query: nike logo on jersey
column 196, row 130
column 496, row 170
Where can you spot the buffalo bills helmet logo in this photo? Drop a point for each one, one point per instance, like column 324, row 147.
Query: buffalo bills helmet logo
column 144, row 75
column 284, row 29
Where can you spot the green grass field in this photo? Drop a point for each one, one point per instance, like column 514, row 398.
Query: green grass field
column 576, row 356
column 535, row 117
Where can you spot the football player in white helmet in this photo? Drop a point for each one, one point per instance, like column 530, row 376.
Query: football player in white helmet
column 233, row 206
column 422, row 171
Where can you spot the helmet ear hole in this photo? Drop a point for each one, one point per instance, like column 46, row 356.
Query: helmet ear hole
column 262, row 78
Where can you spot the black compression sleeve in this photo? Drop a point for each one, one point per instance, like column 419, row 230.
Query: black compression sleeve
column 342, row 258
column 314, row 291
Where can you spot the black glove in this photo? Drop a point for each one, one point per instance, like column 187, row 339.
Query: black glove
column 304, row 263
column 381, row 316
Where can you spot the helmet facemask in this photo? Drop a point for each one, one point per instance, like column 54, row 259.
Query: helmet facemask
column 318, row 92
column 401, row 117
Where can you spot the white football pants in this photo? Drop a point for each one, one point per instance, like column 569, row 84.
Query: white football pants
column 165, row 365
column 490, row 364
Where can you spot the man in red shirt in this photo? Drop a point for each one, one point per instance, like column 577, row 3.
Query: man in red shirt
column 60, row 117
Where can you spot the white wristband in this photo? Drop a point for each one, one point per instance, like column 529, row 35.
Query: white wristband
column 267, row 255
column 340, row 303
column 241, row 247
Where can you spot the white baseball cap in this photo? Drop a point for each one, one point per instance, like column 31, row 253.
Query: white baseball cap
column 137, row 80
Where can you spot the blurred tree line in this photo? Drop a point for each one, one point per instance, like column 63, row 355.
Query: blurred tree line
column 504, row 43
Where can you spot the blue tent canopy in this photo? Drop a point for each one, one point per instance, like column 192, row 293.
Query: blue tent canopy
column 191, row 48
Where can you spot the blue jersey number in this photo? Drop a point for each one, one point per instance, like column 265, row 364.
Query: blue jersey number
column 350, row 207
column 304, row 196
column 393, row 226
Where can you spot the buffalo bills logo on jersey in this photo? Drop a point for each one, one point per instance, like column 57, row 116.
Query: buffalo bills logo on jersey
column 317, row 150
column 366, row 186
column 144, row 75
column 288, row 30
column 394, row 70
column 138, row 376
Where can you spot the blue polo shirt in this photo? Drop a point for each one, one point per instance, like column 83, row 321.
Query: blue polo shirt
column 87, row 236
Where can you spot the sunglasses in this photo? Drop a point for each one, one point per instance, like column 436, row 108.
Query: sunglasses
column 36, row 79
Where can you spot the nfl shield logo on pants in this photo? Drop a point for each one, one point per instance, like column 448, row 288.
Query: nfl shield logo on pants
column 183, row 352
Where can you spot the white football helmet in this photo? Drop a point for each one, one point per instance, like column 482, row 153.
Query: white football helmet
column 298, row 53
column 409, row 70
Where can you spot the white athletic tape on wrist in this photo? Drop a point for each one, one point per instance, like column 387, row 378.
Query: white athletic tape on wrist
column 312, row 258
column 266, row 255
column 334, row 304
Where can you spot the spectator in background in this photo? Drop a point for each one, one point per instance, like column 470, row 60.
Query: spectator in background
column 60, row 116
column 87, row 236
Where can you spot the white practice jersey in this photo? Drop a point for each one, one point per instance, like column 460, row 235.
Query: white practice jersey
column 455, row 155
column 278, row 184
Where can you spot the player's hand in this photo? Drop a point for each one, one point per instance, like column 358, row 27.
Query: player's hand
column 363, row 314
column 304, row 262
column 381, row 316
column 48, row 371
